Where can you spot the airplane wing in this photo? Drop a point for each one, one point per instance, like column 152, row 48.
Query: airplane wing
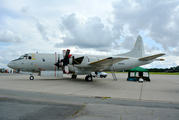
column 107, row 61
column 152, row 57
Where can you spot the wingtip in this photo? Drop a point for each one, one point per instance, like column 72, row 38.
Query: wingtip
column 162, row 54
column 162, row 59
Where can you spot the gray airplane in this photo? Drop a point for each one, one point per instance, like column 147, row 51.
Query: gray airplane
column 55, row 65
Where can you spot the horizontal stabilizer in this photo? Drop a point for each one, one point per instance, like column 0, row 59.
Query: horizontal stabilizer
column 151, row 57
column 108, row 61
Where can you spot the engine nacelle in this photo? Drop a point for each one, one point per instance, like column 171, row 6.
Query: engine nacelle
column 78, row 71
column 82, row 72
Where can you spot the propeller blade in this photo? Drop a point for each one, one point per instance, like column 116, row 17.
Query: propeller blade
column 64, row 53
column 58, row 63
column 67, row 52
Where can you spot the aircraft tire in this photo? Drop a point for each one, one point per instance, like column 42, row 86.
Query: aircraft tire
column 86, row 78
column 89, row 78
column 31, row 77
column 74, row 76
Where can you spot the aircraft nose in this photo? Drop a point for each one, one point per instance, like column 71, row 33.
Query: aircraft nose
column 10, row 64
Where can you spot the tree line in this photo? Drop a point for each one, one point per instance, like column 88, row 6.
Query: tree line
column 171, row 69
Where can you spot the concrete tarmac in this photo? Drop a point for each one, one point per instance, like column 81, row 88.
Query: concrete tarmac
column 104, row 98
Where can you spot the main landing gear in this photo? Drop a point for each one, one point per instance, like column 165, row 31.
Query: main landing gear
column 89, row 78
column 74, row 76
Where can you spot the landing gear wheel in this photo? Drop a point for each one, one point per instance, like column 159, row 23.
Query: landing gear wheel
column 31, row 77
column 89, row 78
column 74, row 76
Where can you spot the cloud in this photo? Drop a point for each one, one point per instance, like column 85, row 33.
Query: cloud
column 160, row 18
column 97, row 27
column 69, row 21
column 25, row 9
column 9, row 37
column 41, row 27
column 128, row 42
column 84, row 33
column 173, row 52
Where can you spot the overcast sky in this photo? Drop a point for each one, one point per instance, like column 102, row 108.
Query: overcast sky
column 95, row 27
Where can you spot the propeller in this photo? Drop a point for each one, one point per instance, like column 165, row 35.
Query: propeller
column 58, row 63
column 65, row 61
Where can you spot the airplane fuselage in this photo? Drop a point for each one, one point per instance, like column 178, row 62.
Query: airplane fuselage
column 36, row 62
column 54, row 65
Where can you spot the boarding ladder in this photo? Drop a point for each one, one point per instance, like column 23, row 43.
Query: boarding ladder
column 113, row 74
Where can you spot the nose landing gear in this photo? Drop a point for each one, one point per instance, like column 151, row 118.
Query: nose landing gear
column 31, row 77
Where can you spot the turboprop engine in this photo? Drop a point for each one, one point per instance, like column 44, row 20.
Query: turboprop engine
column 64, row 61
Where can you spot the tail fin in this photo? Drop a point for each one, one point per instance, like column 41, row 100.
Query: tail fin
column 137, row 51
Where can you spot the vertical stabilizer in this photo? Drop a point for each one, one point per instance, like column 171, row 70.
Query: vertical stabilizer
column 137, row 51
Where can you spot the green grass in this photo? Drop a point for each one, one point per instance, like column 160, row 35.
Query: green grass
column 163, row 73
column 157, row 73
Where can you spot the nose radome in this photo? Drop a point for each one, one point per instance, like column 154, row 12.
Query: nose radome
column 9, row 64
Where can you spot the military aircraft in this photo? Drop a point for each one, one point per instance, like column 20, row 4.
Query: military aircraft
column 55, row 65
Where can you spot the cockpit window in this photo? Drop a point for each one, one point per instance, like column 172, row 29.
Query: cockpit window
column 23, row 56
